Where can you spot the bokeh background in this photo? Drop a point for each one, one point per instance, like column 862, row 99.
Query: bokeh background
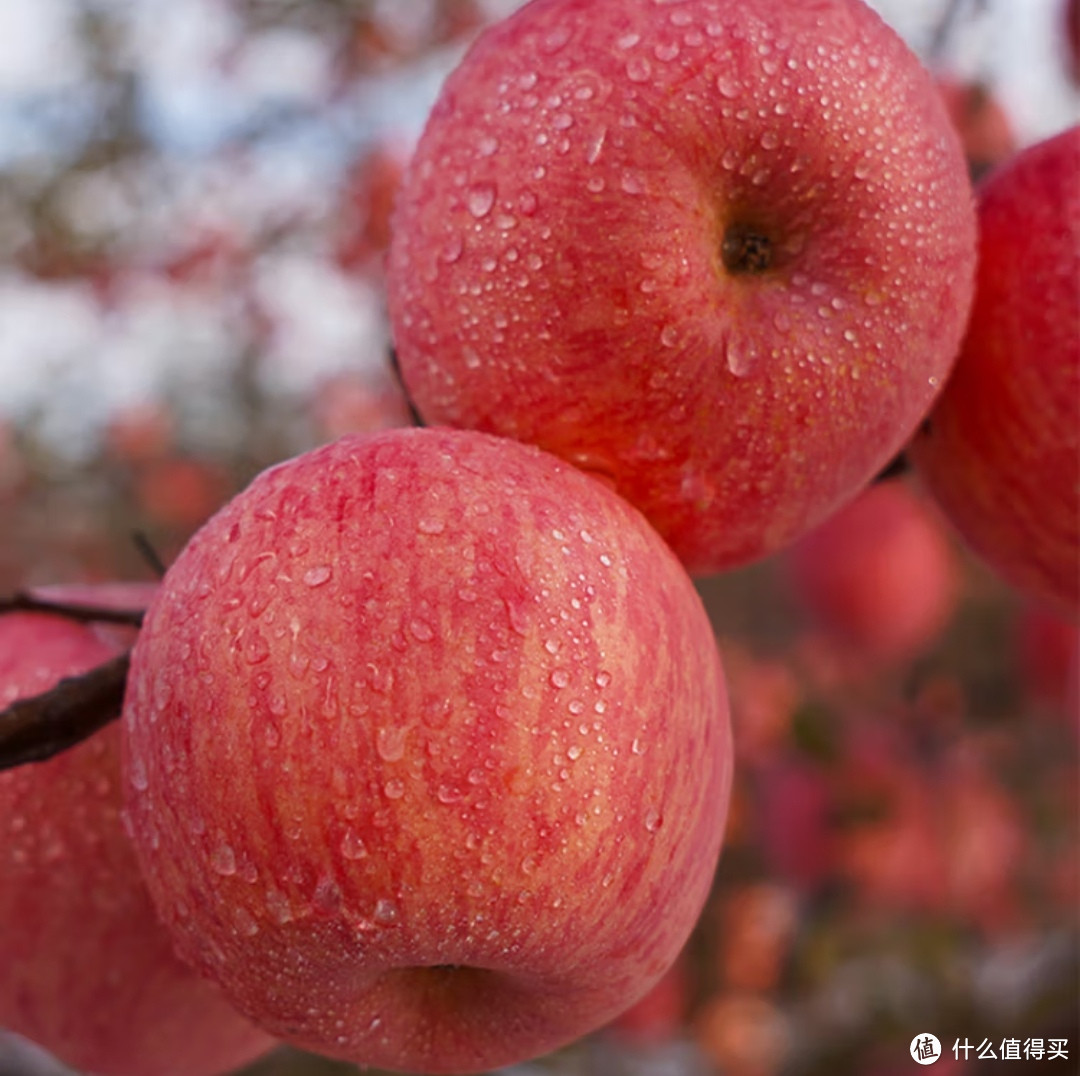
column 194, row 209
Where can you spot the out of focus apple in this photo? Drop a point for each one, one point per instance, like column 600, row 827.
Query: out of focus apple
column 1001, row 450
column 427, row 751
column 719, row 252
column 980, row 119
column 880, row 575
column 88, row 972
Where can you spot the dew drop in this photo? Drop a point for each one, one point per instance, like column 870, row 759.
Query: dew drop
column 637, row 746
column 352, row 847
column 553, row 41
column 728, row 87
column 480, row 199
column 394, row 789
column 386, row 912
column 390, row 743
column 560, row 678
column 652, row 820
column 317, row 576
column 223, row 860
column 421, row 630
column 139, row 779
column 739, row 359
column 638, row 69
column 487, row 146
column 603, row 679
column 431, row 525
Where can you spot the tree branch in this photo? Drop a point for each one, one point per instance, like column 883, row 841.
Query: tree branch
column 37, row 728
column 24, row 601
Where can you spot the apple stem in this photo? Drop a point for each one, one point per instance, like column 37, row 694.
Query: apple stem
column 37, row 728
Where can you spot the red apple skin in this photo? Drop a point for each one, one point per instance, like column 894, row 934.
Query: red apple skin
column 89, row 973
column 1001, row 451
column 880, row 575
column 558, row 273
column 428, row 751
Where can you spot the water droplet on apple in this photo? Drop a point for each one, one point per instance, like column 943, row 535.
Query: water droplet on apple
column 223, row 860
column 665, row 52
column 739, row 359
column 431, row 525
column 637, row 746
column 728, row 87
column 669, row 336
column 447, row 794
column 480, row 200
column 559, row 678
column 317, row 576
column 554, row 40
column 638, row 69
column 352, row 847
column 595, row 145
column 394, row 789
column 487, row 146
column 652, row 820
column 386, row 912
column 627, row 41
column 137, row 771
column 421, row 630
column 327, row 895
column 390, row 743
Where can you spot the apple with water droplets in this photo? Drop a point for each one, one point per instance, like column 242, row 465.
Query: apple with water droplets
column 427, row 750
column 86, row 969
column 1001, row 450
column 719, row 252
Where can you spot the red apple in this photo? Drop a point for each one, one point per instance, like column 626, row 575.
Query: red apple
column 1048, row 651
column 879, row 575
column 1001, row 451
column 985, row 131
column 719, row 252
column 427, row 751
column 87, row 970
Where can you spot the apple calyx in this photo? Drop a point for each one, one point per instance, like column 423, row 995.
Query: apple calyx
column 746, row 250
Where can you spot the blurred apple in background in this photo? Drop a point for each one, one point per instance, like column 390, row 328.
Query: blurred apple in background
column 720, row 254
column 1001, row 450
column 1048, row 649
column 427, row 751
column 880, row 575
column 88, row 971
column 980, row 119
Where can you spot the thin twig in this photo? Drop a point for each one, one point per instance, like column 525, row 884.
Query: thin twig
column 37, row 728
column 23, row 601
